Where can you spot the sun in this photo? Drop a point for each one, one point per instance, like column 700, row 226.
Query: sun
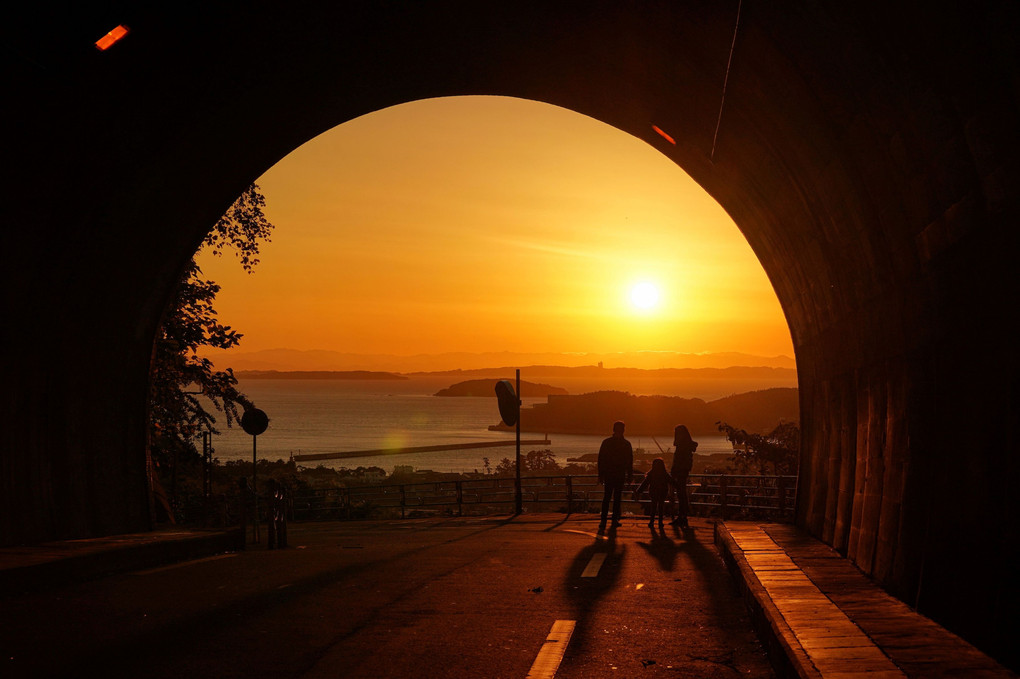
column 644, row 295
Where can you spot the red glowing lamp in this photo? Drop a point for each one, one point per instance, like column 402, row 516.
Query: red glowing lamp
column 664, row 135
column 107, row 41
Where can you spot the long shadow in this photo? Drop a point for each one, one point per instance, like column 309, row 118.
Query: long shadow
column 726, row 605
column 586, row 593
column 131, row 654
column 460, row 521
column 662, row 548
column 557, row 525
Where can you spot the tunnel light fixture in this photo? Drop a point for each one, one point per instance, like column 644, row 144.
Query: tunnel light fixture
column 108, row 40
column 664, row 135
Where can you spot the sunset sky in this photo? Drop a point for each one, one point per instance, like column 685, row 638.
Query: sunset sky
column 484, row 224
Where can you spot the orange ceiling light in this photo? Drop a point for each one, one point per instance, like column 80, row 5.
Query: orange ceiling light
column 108, row 40
column 664, row 135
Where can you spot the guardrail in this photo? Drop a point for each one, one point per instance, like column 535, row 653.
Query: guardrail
column 725, row 494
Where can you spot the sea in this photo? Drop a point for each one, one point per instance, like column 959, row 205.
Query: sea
column 328, row 416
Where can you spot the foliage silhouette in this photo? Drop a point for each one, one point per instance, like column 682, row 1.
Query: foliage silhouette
column 182, row 384
column 777, row 452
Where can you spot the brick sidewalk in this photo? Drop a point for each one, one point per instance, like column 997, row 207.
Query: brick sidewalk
column 826, row 619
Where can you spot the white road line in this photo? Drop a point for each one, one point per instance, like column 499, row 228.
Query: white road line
column 551, row 655
column 592, row 569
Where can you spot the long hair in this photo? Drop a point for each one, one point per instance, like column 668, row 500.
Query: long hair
column 682, row 438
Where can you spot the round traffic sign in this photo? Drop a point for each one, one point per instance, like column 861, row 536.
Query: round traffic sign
column 254, row 421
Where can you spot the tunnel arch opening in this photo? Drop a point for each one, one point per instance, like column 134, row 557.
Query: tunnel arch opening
column 671, row 225
column 873, row 176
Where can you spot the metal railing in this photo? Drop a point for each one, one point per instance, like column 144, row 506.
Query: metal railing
column 722, row 494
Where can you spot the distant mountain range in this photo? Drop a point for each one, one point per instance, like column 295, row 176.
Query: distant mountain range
column 323, row 360
column 316, row 375
column 708, row 383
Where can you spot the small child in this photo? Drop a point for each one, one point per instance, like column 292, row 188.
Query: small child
column 657, row 482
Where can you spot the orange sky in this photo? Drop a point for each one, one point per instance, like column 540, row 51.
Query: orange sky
column 494, row 224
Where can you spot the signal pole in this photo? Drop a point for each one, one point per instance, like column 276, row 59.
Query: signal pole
column 518, row 497
column 509, row 400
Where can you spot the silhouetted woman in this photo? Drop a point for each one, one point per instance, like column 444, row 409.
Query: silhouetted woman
column 683, row 459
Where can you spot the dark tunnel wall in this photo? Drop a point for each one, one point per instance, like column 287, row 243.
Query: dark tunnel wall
column 869, row 155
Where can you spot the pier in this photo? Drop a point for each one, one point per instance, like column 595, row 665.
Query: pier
column 311, row 457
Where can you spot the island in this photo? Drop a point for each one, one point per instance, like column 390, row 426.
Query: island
column 487, row 387
column 594, row 413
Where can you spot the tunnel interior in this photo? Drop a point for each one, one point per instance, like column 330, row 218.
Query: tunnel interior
column 868, row 155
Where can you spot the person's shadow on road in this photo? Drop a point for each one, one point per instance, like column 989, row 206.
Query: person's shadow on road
column 585, row 593
column 662, row 548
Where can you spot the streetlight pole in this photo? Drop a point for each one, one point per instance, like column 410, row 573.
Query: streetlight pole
column 254, row 422
column 254, row 487
column 518, row 497
column 509, row 401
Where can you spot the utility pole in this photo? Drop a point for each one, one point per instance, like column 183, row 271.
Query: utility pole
column 509, row 399
column 518, row 496
column 254, row 422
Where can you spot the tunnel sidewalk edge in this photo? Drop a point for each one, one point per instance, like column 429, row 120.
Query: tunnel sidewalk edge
column 51, row 565
column 785, row 653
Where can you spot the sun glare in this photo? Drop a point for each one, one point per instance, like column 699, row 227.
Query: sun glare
column 644, row 295
column 586, row 226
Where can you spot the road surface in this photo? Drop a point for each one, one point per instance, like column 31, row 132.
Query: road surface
column 539, row 595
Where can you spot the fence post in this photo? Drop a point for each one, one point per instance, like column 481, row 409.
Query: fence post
column 283, row 505
column 270, row 505
column 403, row 499
column 722, row 495
column 276, row 515
column 243, row 510
column 460, row 498
column 781, row 488
column 347, row 497
column 570, row 495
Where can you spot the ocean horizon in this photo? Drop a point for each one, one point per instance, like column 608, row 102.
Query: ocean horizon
column 330, row 416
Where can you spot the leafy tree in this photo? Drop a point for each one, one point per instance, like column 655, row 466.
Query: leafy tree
column 776, row 453
column 183, row 384
column 532, row 461
column 506, row 467
column 242, row 229
column 540, row 461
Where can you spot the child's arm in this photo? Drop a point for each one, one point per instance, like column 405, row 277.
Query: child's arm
column 644, row 484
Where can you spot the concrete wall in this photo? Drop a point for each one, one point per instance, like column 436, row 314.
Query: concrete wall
column 868, row 154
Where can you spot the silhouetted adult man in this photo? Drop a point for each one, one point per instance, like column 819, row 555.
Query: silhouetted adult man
column 616, row 467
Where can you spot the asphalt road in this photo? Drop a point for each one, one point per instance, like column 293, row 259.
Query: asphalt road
column 472, row 597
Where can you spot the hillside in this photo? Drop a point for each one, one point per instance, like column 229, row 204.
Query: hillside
column 487, row 387
column 317, row 375
column 705, row 383
column 594, row 413
column 594, row 371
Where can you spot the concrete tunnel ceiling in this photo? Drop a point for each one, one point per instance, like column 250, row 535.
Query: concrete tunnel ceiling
column 867, row 154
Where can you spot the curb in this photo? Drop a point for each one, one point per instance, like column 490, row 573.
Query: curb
column 785, row 653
